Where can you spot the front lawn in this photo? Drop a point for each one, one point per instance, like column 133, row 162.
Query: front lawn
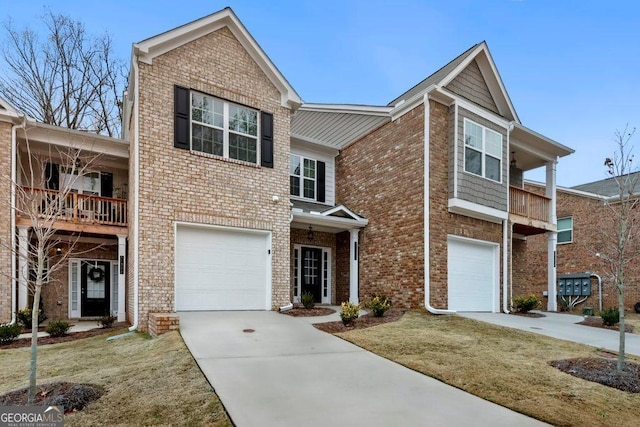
column 147, row 381
column 503, row 365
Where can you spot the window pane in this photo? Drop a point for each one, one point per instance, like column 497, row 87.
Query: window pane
column 493, row 143
column 565, row 224
column 565, row 236
column 294, row 165
column 206, row 139
column 472, row 161
column 243, row 148
column 473, row 135
column 294, row 185
column 243, row 120
column 309, row 189
column 309, row 168
column 492, row 169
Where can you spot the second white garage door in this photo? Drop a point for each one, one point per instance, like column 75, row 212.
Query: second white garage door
column 473, row 275
column 222, row 269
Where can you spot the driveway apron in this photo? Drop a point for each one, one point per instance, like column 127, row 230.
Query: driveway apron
column 274, row 370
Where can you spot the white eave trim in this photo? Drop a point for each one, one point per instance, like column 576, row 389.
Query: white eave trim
column 329, row 221
column 158, row 45
column 368, row 110
column 559, row 149
column 474, row 210
column 568, row 190
column 342, row 208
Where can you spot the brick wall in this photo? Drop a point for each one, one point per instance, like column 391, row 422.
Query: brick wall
column 590, row 218
column 161, row 323
column 5, row 224
column 343, row 265
column 176, row 185
column 326, row 240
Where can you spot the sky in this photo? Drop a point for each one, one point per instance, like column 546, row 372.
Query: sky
column 571, row 68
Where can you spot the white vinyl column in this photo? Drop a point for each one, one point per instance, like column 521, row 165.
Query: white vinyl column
column 23, row 266
column 122, row 268
column 353, row 265
column 552, row 238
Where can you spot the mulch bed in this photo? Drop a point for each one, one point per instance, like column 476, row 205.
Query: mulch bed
column 308, row 312
column 527, row 314
column 26, row 342
column 366, row 321
column 602, row 371
column 596, row 322
column 73, row 397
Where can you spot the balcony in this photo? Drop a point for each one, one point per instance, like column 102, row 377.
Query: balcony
column 529, row 212
column 75, row 212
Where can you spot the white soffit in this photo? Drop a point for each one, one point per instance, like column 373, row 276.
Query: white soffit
column 155, row 46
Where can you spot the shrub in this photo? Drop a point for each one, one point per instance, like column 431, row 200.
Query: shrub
column 24, row 317
column 349, row 312
column 378, row 304
column 610, row 316
column 9, row 332
column 526, row 304
column 307, row 300
column 106, row 321
column 57, row 328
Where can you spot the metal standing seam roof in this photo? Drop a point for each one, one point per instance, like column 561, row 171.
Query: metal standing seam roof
column 606, row 187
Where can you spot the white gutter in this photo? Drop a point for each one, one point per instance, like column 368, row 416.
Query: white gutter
column 506, row 251
column 14, row 151
column 427, row 283
column 136, row 194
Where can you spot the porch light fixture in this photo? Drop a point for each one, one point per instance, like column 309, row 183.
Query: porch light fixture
column 512, row 163
column 310, row 233
column 59, row 250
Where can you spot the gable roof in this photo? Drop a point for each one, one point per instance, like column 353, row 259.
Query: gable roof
column 479, row 53
column 606, row 187
column 158, row 45
column 7, row 109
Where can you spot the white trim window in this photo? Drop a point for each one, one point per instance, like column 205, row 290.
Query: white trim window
column 565, row 230
column 303, row 177
column 87, row 183
column 482, row 151
column 223, row 128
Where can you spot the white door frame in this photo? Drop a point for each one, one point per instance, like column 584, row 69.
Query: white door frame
column 113, row 288
column 495, row 300
column 325, row 280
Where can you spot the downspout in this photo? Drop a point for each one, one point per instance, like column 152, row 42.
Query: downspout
column 427, row 284
column 14, row 165
column 506, row 251
column 136, row 194
column 599, row 289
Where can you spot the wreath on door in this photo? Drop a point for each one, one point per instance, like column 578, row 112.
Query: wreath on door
column 96, row 274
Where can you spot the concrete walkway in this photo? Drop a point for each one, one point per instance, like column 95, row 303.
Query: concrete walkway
column 76, row 326
column 564, row 327
column 270, row 369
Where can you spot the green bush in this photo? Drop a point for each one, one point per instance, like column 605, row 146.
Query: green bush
column 106, row 321
column 57, row 328
column 378, row 304
column 24, row 317
column 307, row 300
column 610, row 316
column 9, row 332
column 349, row 312
column 526, row 304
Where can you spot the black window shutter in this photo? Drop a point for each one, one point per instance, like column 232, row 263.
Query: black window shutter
column 181, row 119
column 320, row 171
column 52, row 176
column 266, row 142
column 106, row 184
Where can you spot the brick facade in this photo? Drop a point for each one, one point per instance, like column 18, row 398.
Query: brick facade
column 177, row 185
column 5, row 224
column 161, row 323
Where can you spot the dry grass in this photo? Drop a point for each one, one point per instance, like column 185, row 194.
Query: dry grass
column 632, row 318
column 147, row 381
column 505, row 366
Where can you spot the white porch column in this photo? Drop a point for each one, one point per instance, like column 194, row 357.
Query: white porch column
column 122, row 268
column 552, row 238
column 23, row 266
column 353, row 265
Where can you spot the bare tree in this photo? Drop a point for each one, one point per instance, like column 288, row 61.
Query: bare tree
column 618, row 242
column 70, row 79
column 42, row 209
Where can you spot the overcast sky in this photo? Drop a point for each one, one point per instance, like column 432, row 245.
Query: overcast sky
column 571, row 67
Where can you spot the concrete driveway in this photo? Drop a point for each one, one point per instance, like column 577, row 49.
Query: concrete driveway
column 562, row 326
column 270, row 369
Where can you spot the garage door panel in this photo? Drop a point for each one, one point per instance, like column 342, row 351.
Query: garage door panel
column 221, row 270
column 472, row 275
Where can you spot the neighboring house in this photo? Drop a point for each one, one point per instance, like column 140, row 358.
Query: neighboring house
column 582, row 225
column 242, row 197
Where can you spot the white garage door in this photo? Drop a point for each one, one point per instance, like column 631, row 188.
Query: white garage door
column 221, row 269
column 472, row 271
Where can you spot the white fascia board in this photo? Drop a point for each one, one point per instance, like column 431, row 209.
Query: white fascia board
column 474, row 210
column 342, row 208
column 78, row 139
column 315, row 141
column 559, row 150
column 567, row 190
column 404, row 107
column 469, row 106
column 368, row 110
column 150, row 48
column 329, row 221
column 535, row 151
column 304, row 143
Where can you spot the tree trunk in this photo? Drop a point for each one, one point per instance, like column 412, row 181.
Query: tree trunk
column 35, row 309
column 621, row 354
